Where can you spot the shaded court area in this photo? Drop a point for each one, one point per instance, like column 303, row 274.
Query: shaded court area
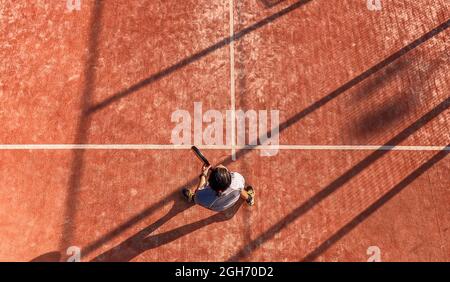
column 113, row 73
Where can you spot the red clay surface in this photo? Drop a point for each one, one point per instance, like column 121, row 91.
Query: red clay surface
column 113, row 73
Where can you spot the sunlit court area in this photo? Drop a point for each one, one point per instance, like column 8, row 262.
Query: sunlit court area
column 335, row 114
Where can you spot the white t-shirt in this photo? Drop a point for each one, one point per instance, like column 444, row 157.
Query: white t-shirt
column 209, row 199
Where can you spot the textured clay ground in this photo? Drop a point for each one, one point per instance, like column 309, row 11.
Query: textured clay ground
column 114, row 71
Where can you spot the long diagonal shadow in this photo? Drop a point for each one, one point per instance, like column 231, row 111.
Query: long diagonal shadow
column 342, row 89
column 83, row 124
column 376, row 205
column 340, row 181
column 195, row 57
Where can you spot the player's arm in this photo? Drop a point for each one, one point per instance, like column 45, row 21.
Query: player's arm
column 203, row 177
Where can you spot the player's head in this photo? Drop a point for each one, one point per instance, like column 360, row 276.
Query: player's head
column 219, row 178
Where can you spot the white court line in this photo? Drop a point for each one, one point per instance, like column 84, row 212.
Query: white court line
column 232, row 82
column 218, row 147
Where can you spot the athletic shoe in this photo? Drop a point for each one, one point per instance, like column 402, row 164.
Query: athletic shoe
column 188, row 195
column 251, row 195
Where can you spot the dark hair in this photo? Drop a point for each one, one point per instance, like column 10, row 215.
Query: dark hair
column 219, row 179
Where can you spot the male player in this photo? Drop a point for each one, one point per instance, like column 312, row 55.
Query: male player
column 219, row 189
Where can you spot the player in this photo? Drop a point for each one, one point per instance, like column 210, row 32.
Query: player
column 219, row 189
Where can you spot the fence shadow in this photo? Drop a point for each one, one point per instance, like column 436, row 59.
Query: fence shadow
column 339, row 182
column 83, row 124
column 91, row 109
column 375, row 206
column 300, row 115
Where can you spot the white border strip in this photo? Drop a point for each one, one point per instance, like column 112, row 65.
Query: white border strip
column 218, row 147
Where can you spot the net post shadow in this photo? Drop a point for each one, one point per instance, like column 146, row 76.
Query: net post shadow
column 76, row 171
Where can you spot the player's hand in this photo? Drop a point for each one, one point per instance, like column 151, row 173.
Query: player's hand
column 205, row 169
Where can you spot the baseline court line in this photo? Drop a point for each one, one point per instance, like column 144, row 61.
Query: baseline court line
column 219, row 147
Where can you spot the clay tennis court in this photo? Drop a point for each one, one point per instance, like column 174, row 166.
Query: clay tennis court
column 86, row 159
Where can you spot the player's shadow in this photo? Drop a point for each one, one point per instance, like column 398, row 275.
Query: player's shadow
column 144, row 240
